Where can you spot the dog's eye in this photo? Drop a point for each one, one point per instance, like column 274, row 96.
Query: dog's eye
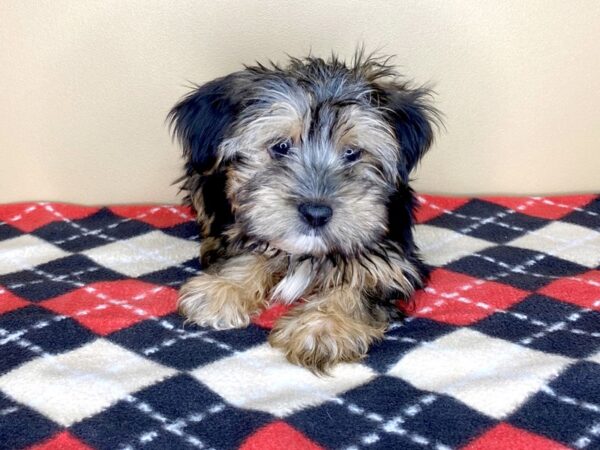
column 352, row 154
column 280, row 149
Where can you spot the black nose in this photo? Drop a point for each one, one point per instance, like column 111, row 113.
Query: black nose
column 315, row 214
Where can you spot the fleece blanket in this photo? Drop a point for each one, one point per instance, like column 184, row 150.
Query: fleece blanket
column 500, row 351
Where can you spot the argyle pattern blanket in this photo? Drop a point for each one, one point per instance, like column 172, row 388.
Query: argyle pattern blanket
column 500, row 351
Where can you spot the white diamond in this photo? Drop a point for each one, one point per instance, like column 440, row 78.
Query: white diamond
column 490, row 375
column 260, row 378
column 566, row 241
column 144, row 254
column 73, row 385
column 26, row 252
column 439, row 246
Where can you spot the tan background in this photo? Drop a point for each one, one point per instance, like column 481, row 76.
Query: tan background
column 85, row 86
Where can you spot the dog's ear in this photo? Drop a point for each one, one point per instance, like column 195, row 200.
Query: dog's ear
column 201, row 121
column 413, row 119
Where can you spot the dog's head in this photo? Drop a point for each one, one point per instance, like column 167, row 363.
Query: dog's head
column 310, row 153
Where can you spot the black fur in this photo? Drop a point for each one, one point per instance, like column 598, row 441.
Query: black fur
column 401, row 221
column 412, row 118
column 216, row 203
column 201, row 121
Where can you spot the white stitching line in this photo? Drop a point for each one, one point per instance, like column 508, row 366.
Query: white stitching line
column 401, row 339
column 561, row 325
column 46, row 322
column 58, row 278
column 176, row 426
column 112, row 225
column 21, row 214
column 157, row 254
column 519, row 269
column 491, row 219
column 570, row 400
column 28, row 345
column 185, row 336
column 562, row 205
column 521, row 316
column 590, row 434
column 9, row 410
column 391, row 426
column 15, row 335
column 531, row 200
column 466, row 231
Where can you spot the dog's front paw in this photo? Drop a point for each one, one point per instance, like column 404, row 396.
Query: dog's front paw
column 318, row 340
column 209, row 300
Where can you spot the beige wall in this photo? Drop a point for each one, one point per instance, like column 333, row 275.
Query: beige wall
column 85, row 86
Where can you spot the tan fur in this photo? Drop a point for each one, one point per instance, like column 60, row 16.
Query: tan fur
column 330, row 328
column 229, row 298
column 366, row 130
column 371, row 272
column 209, row 246
column 363, row 273
column 197, row 201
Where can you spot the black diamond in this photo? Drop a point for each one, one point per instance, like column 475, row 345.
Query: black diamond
column 57, row 277
column 524, row 269
column 101, row 228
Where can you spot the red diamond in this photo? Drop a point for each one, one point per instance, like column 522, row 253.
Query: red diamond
column 582, row 290
column 9, row 301
column 546, row 208
column 269, row 316
column 430, row 206
column 109, row 306
column 30, row 216
column 461, row 300
column 507, row 437
column 278, row 436
column 157, row 216
column 62, row 441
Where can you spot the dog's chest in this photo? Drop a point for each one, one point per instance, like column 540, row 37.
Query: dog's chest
column 300, row 276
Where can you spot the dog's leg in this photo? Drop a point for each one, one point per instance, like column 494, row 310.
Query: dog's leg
column 332, row 327
column 349, row 310
column 228, row 297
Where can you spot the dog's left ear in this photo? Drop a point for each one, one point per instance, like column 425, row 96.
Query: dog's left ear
column 413, row 119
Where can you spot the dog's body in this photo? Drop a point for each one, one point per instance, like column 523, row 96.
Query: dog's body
column 299, row 177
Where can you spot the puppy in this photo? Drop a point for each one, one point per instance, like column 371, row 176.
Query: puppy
column 299, row 176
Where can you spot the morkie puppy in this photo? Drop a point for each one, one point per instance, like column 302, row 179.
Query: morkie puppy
column 299, row 177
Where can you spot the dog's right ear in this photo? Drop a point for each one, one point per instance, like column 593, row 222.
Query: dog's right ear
column 201, row 121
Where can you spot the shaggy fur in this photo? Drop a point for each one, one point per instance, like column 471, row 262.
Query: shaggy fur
column 299, row 177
